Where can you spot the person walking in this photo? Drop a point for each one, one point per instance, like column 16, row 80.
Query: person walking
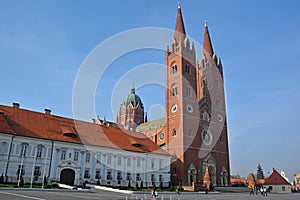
column 251, row 192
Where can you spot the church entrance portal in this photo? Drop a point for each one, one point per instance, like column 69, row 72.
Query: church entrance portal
column 67, row 176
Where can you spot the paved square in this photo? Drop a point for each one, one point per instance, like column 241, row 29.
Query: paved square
column 75, row 195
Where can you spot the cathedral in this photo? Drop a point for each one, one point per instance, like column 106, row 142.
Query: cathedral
column 194, row 130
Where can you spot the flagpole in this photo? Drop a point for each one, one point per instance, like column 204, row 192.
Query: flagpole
column 33, row 167
column 21, row 167
column 45, row 168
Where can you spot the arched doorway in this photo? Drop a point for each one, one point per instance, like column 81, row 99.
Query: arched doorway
column 224, row 177
column 67, row 176
column 210, row 163
column 192, row 174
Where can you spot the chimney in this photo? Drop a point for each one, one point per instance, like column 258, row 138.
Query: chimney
column 47, row 111
column 15, row 105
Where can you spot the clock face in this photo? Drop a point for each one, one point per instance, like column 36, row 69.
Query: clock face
column 189, row 108
column 206, row 137
column 162, row 136
column 174, row 108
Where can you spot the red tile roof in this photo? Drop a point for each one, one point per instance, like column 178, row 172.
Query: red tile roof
column 276, row 179
column 28, row 123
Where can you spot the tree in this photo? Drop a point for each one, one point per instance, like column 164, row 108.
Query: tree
column 136, row 187
column 260, row 173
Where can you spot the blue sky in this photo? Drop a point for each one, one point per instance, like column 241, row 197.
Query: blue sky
column 44, row 43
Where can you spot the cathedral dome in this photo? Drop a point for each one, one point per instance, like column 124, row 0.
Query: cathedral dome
column 133, row 99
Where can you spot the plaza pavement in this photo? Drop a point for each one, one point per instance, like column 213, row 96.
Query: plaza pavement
column 21, row 194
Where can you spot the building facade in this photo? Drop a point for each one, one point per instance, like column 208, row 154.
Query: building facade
column 194, row 130
column 42, row 147
column 277, row 183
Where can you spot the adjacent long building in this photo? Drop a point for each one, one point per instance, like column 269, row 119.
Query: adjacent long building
column 41, row 146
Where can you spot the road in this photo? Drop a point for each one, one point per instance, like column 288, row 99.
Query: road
column 104, row 195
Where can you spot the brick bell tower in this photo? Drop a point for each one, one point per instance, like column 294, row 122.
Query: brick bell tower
column 195, row 111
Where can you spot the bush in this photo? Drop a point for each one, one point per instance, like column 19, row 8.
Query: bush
column 161, row 186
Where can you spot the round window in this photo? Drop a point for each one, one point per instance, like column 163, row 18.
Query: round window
column 189, row 108
column 174, row 108
column 220, row 118
column 206, row 137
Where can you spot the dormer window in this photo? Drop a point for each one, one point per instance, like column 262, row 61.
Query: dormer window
column 69, row 132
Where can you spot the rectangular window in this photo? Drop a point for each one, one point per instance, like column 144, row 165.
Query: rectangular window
column 39, row 151
column 160, row 178
column 152, row 177
column 160, row 164
column 87, row 173
column 138, row 177
column 218, row 103
column 87, row 157
column 76, row 153
column 63, row 154
column 109, row 160
column 109, row 174
column 98, row 174
column 119, row 175
column 98, row 158
column 152, row 164
column 36, row 172
column 119, row 161
column 22, row 172
column 128, row 162
column 138, row 162
column 216, row 83
column 188, row 91
column 70, row 155
column 187, row 68
column 128, row 176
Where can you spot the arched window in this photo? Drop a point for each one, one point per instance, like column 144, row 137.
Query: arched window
column 174, row 69
column 39, row 151
column 24, row 149
column 174, row 133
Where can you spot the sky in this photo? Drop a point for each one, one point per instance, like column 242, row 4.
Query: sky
column 45, row 45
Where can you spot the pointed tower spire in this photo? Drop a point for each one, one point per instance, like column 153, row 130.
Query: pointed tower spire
column 179, row 29
column 207, row 46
